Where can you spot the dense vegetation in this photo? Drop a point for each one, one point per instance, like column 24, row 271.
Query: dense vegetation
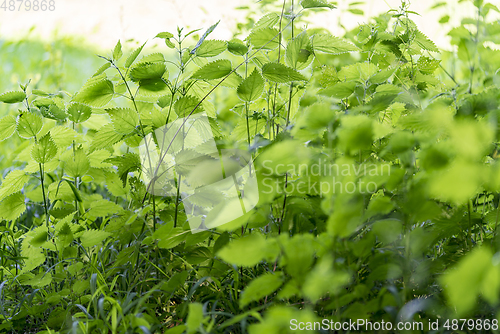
column 376, row 156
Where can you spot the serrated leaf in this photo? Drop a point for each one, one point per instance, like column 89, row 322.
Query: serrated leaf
column 186, row 104
column 205, row 35
column 65, row 235
column 129, row 162
column 298, row 54
column 169, row 236
column 93, row 238
column 252, row 87
column 237, row 47
column 247, row 251
column 331, row 44
column 316, row 4
column 44, row 150
column 117, row 51
column 13, row 182
column 12, row 97
column 12, row 207
column 280, row 73
column 214, row 70
column 78, row 112
column 103, row 208
column 101, row 69
column 424, row 42
column 97, row 92
column 265, row 38
column 133, row 55
column 267, row 21
column 339, row 90
column 260, row 287
column 78, row 164
column 211, row 48
column 124, row 119
column 28, row 124
column 147, row 71
column 105, row 137
column 7, row 127
column 63, row 136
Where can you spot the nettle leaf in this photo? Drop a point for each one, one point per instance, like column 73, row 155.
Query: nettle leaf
column 339, row 90
column 147, row 71
column 97, row 92
column 124, row 119
column 260, row 287
column 211, row 48
column 65, row 235
column 103, row 208
column 214, row 70
column 280, row 73
column 28, row 124
column 267, row 21
column 237, row 47
column 12, row 97
column 105, row 137
column 133, row 55
column 101, row 69
column 424, row 42
column 169, row 236
column 44, row 150
column 7, row 127
column 252, row 87
column 78, row 164
column 129, row 162
column 12, row 207
column 186, row 104
column 117, row 52
column 264, row 38
column 298, row 54
column 330, row 44
column 63, row 136
column 93, row 238
column 316, row 4
column 78, row 112
column 13, row 182
column 205, row 35
column 248, row 251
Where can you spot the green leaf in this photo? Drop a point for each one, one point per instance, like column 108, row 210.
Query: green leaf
column 78, row 164
column 105, row 137
column 7, row 127
column 12, row 207
column 247, row 251
column 65, row 235
column 237, row 47
column 13, row 182
column 93, row 238
column 44, row 150
column 331, row 44
column 103, row 208
column 424, row 42
column 214, row 70
column 280, row 73
column 78, row 112
column 12, row 97
column 298, row 54
column 169, row 236
column 267, row 21
column 124, row 119
column 117, row 52
column 147, row 71
column 63, row 136
column 40, row 280
column 260, row 287
column 194, row 318
column 205, row 35
column 211, row 48
column 339, row 90
column 265, row 38
column 316, row 4
column 133, row 56
column 28, row 124
column 186, row 104
column 252, row 87
column 129, row 162
column 97, row 92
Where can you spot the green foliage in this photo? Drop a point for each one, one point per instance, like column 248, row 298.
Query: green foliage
column 376, row 159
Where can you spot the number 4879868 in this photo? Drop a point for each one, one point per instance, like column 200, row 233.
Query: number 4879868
column 28, row 5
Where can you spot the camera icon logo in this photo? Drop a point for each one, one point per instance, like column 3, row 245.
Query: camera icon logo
column 216, row 185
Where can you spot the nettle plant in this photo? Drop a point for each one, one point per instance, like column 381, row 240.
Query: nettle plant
column 86, row 248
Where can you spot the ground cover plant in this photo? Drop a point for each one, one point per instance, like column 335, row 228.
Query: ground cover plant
column 376, row 155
